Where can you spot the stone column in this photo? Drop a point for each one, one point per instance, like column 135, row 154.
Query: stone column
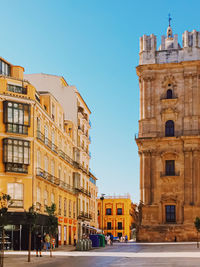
column 153, row 177
column 141, row 178
column 186, row 94
column 195, row 96
column 141, row 98
column 195, row 177
column 188, row 177
column 147, row 177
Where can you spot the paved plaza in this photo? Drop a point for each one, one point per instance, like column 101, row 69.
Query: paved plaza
column 130, row 254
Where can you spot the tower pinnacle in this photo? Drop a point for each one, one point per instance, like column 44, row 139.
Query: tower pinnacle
column 169, row 29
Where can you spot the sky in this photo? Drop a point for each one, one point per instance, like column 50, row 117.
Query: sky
column 94, row 44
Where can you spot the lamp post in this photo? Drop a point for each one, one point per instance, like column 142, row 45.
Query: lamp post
column 102, row 198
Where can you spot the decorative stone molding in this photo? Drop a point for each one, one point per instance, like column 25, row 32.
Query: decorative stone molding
column 168, row 197
column 169, row 79
column 169, row 114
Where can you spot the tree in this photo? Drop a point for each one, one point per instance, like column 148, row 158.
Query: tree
column 197, row 225
column 52, row 223
column 5, row 202
column 31, row 219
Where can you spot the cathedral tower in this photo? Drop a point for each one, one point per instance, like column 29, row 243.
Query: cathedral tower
column 169, row 136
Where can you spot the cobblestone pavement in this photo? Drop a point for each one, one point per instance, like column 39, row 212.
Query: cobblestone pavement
column 130, row 254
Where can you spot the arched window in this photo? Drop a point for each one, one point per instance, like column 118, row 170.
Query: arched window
column 169, row 128
column 169, row 94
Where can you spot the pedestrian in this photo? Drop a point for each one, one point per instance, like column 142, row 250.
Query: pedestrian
column 111, row 239
column 38, row 244
column 74, row 239
column 126, row 238
column 106, row 237
column 108, row 240
column 47, row 241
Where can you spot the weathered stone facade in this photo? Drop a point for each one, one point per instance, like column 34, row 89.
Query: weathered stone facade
column 169, row 80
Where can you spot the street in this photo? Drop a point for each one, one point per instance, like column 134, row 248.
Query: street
column 130, row 254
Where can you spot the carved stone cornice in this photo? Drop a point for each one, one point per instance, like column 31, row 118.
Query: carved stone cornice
column 168, row 197
column 148, row 78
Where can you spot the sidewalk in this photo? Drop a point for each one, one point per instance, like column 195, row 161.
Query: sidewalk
column 17, row 260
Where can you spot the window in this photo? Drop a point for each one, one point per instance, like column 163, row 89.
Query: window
column 17, row 89
column 45, row 198
column 70, row 208
column 4, row 68
column 108, row 212
column 46, row 134
column 52, row 198
column 46, row 164
column 169, row 94
column 170, row 212
column 38, row 159
column 170, row 167
column 169, row 128
column 59, row 205
column 15, row 190
column 38, row 195
column 109, row 226
column 16, row 117
column 119, row 211
column 16, row 155
column 65, row 207
column 119, row 225
column 53, row 112
column 74, row 210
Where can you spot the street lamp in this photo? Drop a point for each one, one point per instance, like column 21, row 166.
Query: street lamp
column 102, row 198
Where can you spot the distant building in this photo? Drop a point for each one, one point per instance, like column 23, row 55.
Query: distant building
column 116, row 215
column 169, row 136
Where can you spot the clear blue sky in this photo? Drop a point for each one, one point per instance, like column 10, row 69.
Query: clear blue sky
column 94, row 44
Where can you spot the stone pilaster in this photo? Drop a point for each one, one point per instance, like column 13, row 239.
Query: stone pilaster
column 188, row 177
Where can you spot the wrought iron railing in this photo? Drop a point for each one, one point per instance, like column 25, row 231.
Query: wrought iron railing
column 85, row 215
column 47, row 176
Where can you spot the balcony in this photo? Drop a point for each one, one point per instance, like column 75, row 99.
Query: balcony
column 47, row 176
column 67, row 187
column 47, row 142
column 164, row 174
column 84, row 215
column 17, row 89
column 16, row 203
column 65, row 157
column 83, row 191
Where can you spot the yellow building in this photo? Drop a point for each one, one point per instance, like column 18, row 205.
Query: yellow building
column 77, row 112
column 38, row 160
column 115, row 215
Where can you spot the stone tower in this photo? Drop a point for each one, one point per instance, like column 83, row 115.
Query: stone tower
column 169, row 136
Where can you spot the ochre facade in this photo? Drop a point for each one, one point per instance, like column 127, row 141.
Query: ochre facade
column 169, row 137
column 42, row 160
column 116, row 215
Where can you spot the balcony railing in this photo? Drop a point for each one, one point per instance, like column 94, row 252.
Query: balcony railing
column 17, row 89
column 47, row 176
column 61, row 154
column 83, row 191
column 163, row 174
column 67, row 187
column 85, row 215
column 16, row 203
